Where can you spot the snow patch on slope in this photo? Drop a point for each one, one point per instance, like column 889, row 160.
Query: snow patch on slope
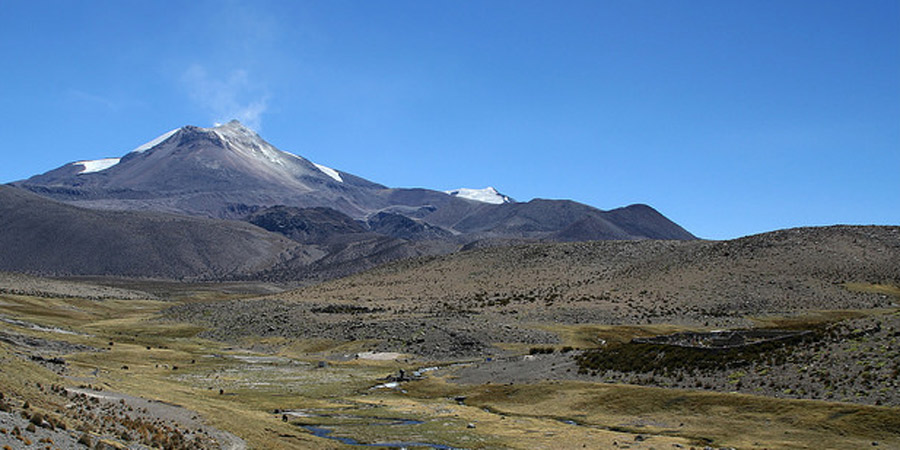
column 330, row 172
column 155, row 142
column 96, row 165
column 246, row 141
column 486, row 195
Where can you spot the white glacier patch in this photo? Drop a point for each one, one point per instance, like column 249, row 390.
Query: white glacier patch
column 155, row 142
column 96, row 165
column 486, row 195
column 247, row 142
column 330, row 172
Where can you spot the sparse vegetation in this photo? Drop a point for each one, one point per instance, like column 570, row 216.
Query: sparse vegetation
column 642, row 357
column 345, row 309
column 575, row 307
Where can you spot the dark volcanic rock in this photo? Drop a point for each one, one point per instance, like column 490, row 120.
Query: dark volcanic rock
column 307, row 225
column 402, row 227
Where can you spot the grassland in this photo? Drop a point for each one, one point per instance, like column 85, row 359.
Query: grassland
column 248, row 388
column 715, row 419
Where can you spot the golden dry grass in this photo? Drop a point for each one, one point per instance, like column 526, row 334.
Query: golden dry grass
column 885, row 289
column 590, row 336
column 736, row 420
column 505, row 416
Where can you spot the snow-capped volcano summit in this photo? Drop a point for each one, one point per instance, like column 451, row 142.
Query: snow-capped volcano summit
column 232, row 137
column 218, row 171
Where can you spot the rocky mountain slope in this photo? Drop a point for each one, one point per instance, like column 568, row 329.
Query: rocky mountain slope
column 497, row 294
column 47, row 237
column 786, row 270
column 281, row 244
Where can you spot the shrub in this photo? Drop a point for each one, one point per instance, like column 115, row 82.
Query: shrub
column 540, row 350
column 37, row 419
column 642, row 357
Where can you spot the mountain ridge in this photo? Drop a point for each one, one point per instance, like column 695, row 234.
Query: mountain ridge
column 309, row 222
column 229, row 171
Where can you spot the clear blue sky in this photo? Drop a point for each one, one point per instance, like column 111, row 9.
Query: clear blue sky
column 730, row 117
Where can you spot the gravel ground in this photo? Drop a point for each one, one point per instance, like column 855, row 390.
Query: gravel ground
column 163, row 415
column 103, row 419
column 18, row 284
column 15, row 434
column 450, row 335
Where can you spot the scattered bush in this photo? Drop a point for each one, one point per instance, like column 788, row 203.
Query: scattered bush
column 85, row 440
column 37, row 419
column 345, row 309
column 540, row 350
column 643, row 357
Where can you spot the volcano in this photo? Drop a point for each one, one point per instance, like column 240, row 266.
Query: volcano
column 230, row 172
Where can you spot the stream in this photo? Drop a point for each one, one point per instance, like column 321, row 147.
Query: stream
column 326, row 432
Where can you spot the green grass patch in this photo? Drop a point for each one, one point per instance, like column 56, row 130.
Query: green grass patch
column 703, row 418
column 884, row 289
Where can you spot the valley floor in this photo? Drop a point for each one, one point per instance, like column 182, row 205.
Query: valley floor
column 196, row 368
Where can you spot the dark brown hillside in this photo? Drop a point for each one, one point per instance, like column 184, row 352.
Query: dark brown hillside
column 804, row 268
column 42, row 236
column 563, row 220
column 307, row 225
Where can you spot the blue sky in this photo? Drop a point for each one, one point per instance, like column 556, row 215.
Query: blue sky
column 730, row 117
